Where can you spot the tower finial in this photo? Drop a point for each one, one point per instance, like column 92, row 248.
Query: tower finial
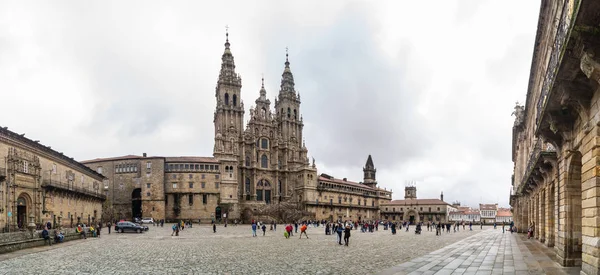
column 287, row 62
column 263, row 81
column 227, row 36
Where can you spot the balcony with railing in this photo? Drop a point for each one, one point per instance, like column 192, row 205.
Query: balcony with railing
column 566, row 83
column 65, row 186
column 541, row 160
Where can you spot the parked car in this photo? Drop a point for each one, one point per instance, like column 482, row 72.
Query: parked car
column 122, row 227
column 147, row 220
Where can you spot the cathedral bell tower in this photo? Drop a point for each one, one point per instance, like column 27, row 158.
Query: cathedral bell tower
column 369, row 173
column 229, row 114
column 289, row 120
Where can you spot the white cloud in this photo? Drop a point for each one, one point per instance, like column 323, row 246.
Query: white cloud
column 427, row 88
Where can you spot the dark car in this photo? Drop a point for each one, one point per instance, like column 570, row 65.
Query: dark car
column 129, row 226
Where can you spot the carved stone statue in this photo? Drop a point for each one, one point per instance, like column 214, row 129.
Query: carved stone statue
column 519, row 114
column 313, row 162
column 219, row 142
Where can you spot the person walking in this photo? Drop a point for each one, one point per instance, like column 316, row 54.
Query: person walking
column 503, row 224
column 214, row 228
column 339, row 231
column 264, row 229
column 108, row 225
column 347, row 235
column 175, row 230
column 303, row 231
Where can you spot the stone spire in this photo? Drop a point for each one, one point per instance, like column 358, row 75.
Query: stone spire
column 369, row 173
column 287, row 79
column 228, row 75
column 263, row 92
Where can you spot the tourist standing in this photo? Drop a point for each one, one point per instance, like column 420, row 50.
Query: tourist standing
column 264, row 229
column 108, row 225
column 503, row 227
column 339, row 231
column 215, row 228
column 347, row 235
column 253, row 229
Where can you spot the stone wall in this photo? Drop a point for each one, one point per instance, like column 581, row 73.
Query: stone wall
column 14, row 241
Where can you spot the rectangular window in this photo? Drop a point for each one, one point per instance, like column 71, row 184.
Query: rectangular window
column 191, row 185
column 170, row 167
column 191, row 199
column 217, row 176
column 201, row 166
column 216, row 185
column 191, row 177
column 197, row 167
column 204, row 198
column 187, row 166
column 147, row 185
column 174, row 185
column 264, row 143
column 259, row 195
column 148, row 165
column 203, row 176
column 365, row 203
column 148, row 194
column 203, row 184
column 372, row 203
column 216, row 167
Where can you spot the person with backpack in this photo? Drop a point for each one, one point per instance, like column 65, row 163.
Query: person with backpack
column 264, row 229
column 175, row 228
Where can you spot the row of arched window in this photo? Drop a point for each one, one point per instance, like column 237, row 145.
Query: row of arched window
column 234, row 99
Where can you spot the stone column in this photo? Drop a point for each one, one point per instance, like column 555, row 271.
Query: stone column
column 561, row 229
column 590, row 204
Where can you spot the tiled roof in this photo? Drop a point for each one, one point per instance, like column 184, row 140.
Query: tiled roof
column 488, row 206
column 417, row 201
column 191, row 159
column 504, row 213
column 340, row 181
column 46, row 149
column 167, row 159
column 112, row 159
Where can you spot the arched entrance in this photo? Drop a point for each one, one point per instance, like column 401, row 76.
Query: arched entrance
column 218, row 213
column 573, row 212
column 22, row 212
column 263, row 191
column 412, row 216
column 136, row 203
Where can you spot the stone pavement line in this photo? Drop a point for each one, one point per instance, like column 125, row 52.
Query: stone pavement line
column 488, row 252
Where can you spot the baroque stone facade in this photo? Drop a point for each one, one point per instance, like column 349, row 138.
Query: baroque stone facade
column 38, row 184
column 556, row 136
column 263, row 163
column 414, row 210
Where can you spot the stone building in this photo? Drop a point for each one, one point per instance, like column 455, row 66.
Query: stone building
column 415, row 210
column 556, row 136
column 340, row 199
column 38, row 184
column 262, row 163
column 504, row 216
column 465, row 214
column 488, row 213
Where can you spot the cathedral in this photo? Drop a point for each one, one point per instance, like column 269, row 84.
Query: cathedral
column 263, row 163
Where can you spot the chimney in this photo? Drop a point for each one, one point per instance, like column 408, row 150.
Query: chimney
column 345, row 179
column 144, row 154
column 442, row 196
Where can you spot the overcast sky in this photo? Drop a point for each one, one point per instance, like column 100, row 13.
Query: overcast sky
column 426, row 88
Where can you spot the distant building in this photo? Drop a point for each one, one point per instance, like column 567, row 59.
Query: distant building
column 416, row 210
column 488, row 213
column 465, row 214
column 504, row 215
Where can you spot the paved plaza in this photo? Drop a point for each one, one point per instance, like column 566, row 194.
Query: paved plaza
column 233, row 250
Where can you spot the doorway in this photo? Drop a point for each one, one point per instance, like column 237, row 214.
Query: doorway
column 411, row 219
column 136, row 203
column 218, row 213
column 21, row 216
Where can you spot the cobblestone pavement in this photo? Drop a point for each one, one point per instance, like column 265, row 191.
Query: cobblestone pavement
column 489, row 252
column 231, row 250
